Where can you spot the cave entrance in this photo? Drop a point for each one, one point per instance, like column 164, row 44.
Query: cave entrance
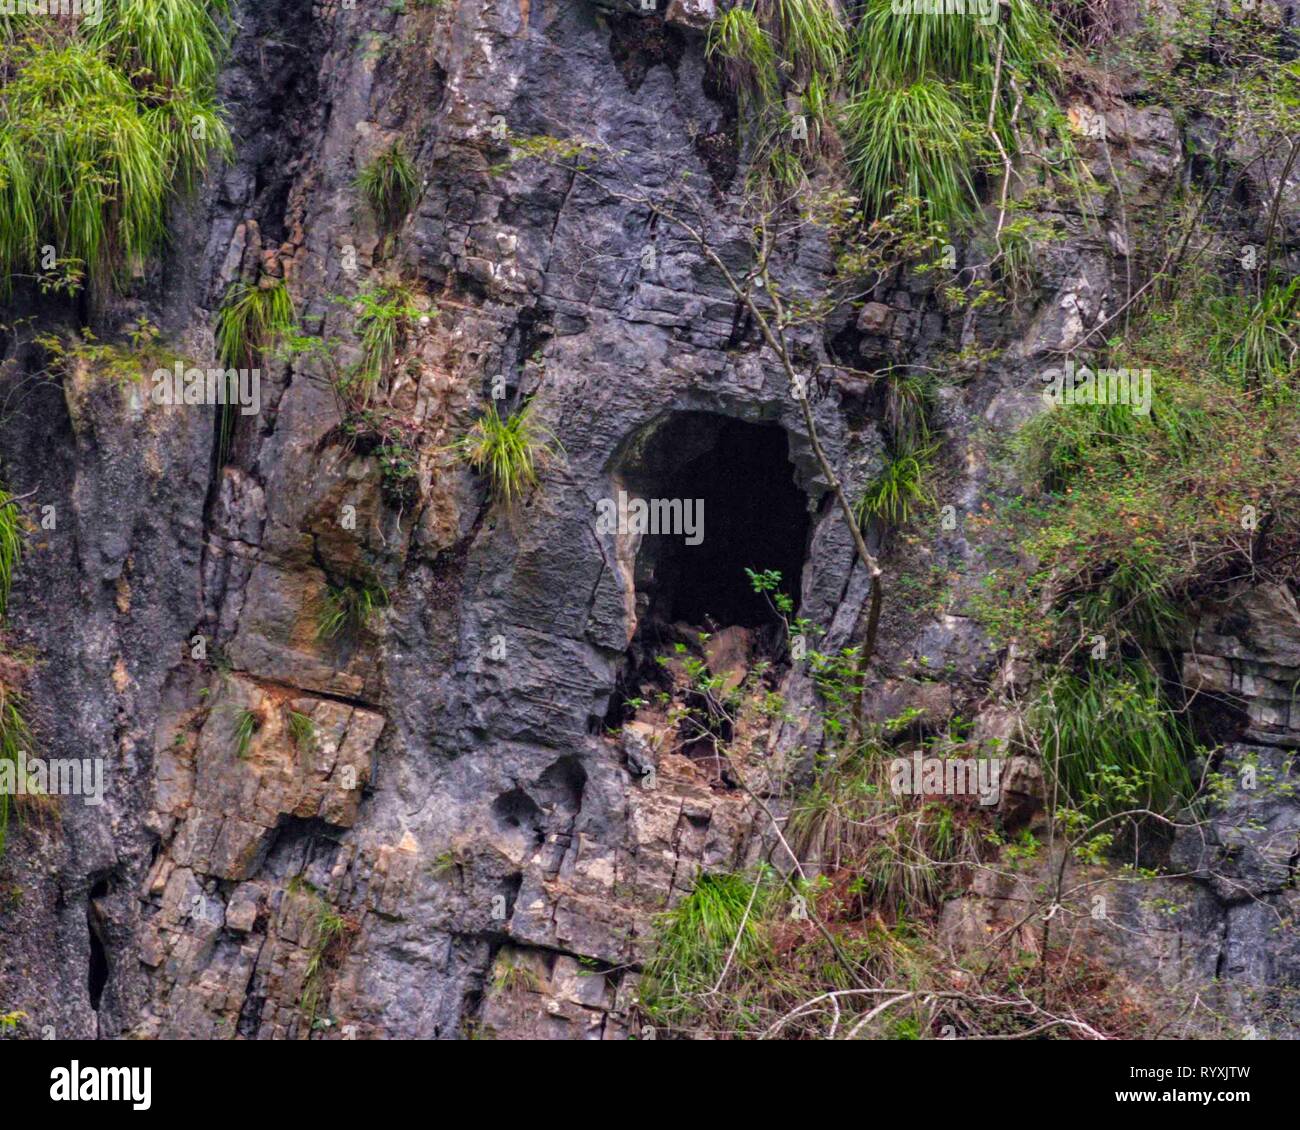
column 754, row 517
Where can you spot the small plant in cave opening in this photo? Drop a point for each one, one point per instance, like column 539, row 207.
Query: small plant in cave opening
column 507, row 451
column 390, row 184
column 353, row 606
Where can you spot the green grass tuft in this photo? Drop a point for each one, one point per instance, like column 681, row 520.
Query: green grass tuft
column 507, row 451
column 900, row 488
column 695, row 938
column 390, row 185
column 246, row 725
column 302, row 732
column 353, row 606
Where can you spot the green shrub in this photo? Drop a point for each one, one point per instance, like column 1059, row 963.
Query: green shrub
column 1127, row 516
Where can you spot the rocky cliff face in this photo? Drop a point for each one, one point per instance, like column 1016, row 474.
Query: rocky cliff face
column 463, row 847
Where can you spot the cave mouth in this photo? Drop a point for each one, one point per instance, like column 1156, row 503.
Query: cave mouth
column 754, row 517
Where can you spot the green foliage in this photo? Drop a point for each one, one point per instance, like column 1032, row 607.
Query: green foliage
column 302, row 732
column 384, row 316
column 328, row 930
column 15, row 737
column 911, row 140
column 172, row 44
column 748, row 58
column 96, row 127
column 353, row 606
column 11, row 545
column 694, row 940
column 392, row 441
column 908, row 99
column 390, row 185
column 251, row 319
column 1111, row 742
column 899, row 489
column 507, row 451
column 247, row 724
column 1132, row 514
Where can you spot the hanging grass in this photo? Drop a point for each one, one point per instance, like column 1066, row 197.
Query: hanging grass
column 385, row 317
column 1110, row 741
column 250, row 321
column 812, row 38
column 390, row 185
column 507, row 451
column 97, row 126
column 172, row 44
column 911, row 142
column 903, row 46
column 747, row 57
column 909, row 96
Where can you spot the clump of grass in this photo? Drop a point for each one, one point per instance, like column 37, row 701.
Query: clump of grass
column 328, row 929
column 96, row 128
column 390, row 184
column 695, row 937
column 911, row 141
column 748, row 58
column 1110, row 741
column 173, row 44
column 900, row 488
column 15, row 737
column 507, row 451
column 302, row 731
column 352, row 606
column 510, row 976
column 247, row 724
column 11, row 545
column 1128, row 515
column 251, row 319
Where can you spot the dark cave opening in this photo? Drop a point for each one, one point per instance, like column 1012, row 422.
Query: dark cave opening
column 97, row 971
column 737, row 480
